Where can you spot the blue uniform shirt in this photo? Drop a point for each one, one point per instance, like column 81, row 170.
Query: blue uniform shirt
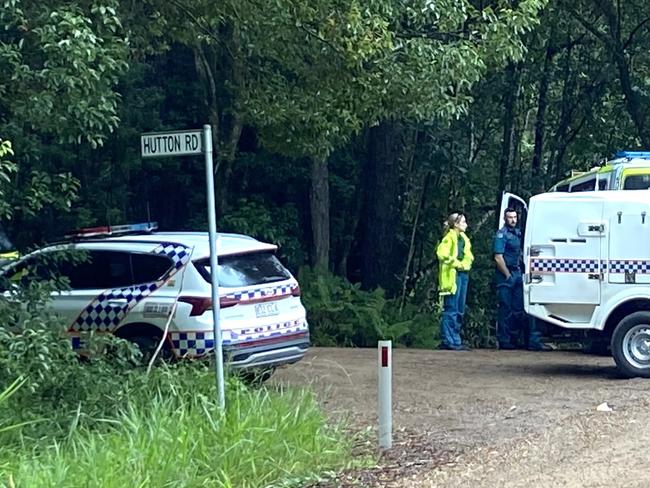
column 507, row 241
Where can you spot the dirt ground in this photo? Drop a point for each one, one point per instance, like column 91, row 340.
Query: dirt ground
column 489, row 418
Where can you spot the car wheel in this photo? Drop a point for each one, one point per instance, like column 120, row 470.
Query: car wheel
column 631, row 345
column 148, row 346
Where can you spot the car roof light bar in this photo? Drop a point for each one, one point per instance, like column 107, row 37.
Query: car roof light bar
column 112, row 230
column 633, row 154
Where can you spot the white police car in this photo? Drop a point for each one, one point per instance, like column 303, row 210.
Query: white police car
column 148, row 287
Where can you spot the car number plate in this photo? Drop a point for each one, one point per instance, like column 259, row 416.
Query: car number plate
column 266, row 309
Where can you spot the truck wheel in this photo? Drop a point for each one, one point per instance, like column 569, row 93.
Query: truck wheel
column 631, row 345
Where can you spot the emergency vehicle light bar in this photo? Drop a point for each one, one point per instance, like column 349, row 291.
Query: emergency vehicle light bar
column 111, row 230
column 633, row 154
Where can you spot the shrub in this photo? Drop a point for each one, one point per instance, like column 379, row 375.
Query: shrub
column 341, row 314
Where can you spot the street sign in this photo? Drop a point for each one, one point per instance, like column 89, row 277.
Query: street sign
column 177, row 143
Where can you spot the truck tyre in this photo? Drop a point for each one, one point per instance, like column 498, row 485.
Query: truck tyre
column 631, row 345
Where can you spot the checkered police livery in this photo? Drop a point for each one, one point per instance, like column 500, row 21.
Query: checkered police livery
column 196, row 343
column 128, row 289
column 563, row 265
column 192, row 344
column 629, row 266
column 260, row 293
column 106, row 311
column 178, row 253
column 570, row 265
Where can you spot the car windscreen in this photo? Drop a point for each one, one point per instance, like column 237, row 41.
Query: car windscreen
column 245, row 269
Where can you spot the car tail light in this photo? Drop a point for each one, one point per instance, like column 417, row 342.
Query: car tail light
column 295, row 291
column 202, row 304
column 225, row 302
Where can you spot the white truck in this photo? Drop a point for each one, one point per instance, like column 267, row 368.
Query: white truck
column 587, row 260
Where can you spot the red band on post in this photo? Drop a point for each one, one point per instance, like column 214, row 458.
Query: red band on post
column 384, row 357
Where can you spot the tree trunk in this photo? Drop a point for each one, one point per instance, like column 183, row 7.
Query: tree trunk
column 380, row 217
column 511, row 91
column 540, row 119
column 320, row 213
column 620, row 57
column 222, row 77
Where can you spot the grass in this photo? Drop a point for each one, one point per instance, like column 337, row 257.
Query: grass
column 173, row 434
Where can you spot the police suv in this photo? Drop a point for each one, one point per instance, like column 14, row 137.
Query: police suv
column 148, row 287
column 588, row 267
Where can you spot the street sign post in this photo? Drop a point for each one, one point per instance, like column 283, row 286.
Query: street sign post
column 182, row 143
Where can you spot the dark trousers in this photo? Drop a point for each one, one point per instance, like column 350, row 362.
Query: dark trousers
column 453, row 310
column 513, row 325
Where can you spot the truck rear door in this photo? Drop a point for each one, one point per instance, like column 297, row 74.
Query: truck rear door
column 629, row 252
column 564, row 243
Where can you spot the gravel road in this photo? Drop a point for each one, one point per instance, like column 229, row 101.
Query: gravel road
column 489, row 418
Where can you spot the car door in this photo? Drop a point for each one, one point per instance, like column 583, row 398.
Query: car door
column 88, row 304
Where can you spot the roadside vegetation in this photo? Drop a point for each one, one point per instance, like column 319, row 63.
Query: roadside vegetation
column 168, row 431
column 105, row 422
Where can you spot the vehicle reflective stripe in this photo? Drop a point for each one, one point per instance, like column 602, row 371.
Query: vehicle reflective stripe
column 573, row 265
column 262, row 293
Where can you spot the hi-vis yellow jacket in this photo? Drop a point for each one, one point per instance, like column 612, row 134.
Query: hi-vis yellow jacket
column 447, row 252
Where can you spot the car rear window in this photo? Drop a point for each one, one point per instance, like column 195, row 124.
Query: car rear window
column 245, row 269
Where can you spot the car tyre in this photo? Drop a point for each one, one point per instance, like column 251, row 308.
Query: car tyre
column 148, row 346
column 631, row 345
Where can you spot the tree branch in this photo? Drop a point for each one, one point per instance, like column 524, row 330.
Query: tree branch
column 630, row 38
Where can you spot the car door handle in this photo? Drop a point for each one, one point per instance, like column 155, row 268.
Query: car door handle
column 118, row 303
column 536, row 278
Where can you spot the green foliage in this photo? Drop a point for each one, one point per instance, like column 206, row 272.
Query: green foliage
column 103, row 422
column 34, row 345
column 341, row 314
column 60, row 63
column 172, row 433
column 276, row 224
column 7, row 169
column 332, row 68
column 56, row 191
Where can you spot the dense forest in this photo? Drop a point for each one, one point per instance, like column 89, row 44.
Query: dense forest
column 344, row 131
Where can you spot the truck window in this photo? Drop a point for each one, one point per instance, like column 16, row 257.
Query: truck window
column 564, row 187
column 637, row 182
column 587, row 185
column 602, row 184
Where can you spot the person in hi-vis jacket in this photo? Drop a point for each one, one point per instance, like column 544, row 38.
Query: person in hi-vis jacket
column 455, row 260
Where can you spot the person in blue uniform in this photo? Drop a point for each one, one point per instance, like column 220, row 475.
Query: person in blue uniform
column 512, row 321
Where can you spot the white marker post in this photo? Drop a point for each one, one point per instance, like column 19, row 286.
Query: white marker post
column 182, row 143
column 385, row 361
